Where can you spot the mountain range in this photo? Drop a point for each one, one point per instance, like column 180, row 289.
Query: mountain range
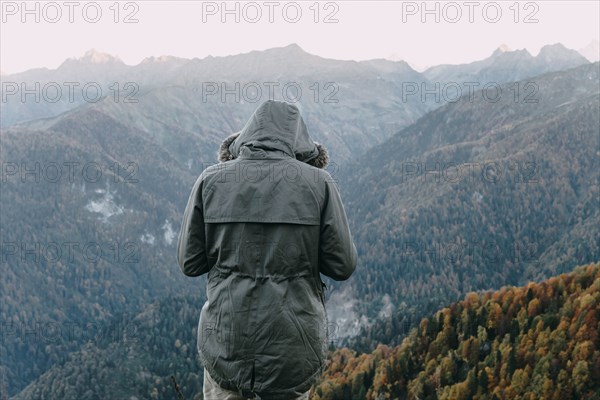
column 93, row 192
column 348, row 105
column 478, row 194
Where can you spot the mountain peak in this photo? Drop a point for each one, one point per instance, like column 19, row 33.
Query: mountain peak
column 160, row 59
column 554, row 49
column 97, row 57
column 591, row 51
column 291, row 49
column 396, row 57
column 92, row 57
column 503, row 48
column 558, row 52
column 294, row 47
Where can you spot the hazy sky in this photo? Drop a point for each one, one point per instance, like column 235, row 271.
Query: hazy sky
column 46, row 33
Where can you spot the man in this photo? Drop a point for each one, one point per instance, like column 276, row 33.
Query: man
column 264, row 224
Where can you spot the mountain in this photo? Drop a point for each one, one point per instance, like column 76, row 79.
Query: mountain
column 591, row 51
column 41, row 92
column 94, row 56
column 92, row 197
column 475, row 195
column 505, row 65
column 349, row 105
column 88, row 233
column 540, row 338
column 135, row 359
column 536, row 341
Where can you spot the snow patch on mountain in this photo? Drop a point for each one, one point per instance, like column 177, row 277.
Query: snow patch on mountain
column 169, row 233
column 504, row 48
column 105, row 205
column 98, row 57
column 148, row 238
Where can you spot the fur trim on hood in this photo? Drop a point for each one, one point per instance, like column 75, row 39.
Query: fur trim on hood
column 276, row 125
column 224, row 153
column 320, row 161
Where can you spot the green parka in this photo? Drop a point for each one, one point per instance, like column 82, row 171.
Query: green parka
column 264, row 223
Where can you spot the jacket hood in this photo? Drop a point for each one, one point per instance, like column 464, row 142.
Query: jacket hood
column 276, row 125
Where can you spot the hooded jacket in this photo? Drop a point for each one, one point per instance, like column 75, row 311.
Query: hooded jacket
column 264, row 223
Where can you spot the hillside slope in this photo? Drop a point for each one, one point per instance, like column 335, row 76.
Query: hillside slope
column 476, row 195
column 519, row 342
column 536, row 341
column 87, row 234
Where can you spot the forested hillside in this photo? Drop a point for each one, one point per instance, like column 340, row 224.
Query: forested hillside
column 539, row 341
column 474, row 196
column 536, row 341
column 134, row 358
column 87, row 235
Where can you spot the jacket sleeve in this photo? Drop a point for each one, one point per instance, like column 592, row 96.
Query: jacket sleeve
column 191, row 246
column 337, row 253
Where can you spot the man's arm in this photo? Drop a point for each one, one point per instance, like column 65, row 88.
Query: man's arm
column 337, row 253
column 191, row 246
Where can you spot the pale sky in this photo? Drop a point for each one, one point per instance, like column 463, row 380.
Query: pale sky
column 465, row 31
